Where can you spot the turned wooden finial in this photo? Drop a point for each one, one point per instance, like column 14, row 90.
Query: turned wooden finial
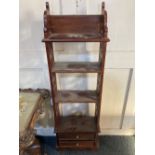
column 103, row 7
column 47, row 7
column 104, row 13
column 46, row 12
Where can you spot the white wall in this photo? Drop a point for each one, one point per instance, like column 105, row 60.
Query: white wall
column 119, row 58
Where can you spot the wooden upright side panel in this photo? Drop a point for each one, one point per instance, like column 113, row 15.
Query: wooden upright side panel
column 102, row 54
column 50, row 59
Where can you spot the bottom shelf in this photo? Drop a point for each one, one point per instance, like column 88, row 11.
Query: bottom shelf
column 76, row 124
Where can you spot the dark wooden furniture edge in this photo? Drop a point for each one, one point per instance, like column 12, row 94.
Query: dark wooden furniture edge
column 28, row 142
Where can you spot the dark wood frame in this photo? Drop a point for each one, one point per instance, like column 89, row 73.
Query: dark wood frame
column 76, row 28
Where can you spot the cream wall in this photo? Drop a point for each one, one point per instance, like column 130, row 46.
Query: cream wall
column 117, row 112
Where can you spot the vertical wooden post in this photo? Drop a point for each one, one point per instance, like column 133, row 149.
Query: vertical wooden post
column 50, row 59
column 102, row 54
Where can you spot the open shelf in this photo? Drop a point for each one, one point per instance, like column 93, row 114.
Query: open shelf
column 77, row 124
column 76, row 67
column 75, row 28
column 75, row 37
column 78, row 129
column 73, row 96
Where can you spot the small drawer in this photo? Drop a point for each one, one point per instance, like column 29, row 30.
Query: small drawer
column 76, row 136
column 77, row 144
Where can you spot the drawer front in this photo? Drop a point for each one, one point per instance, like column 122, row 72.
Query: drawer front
column 77, row 144
column 77, row 136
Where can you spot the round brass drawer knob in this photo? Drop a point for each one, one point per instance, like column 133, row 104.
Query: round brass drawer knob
column 77, row 137
column 77, row 144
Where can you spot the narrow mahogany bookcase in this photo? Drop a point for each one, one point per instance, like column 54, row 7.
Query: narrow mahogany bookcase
column 76, row 131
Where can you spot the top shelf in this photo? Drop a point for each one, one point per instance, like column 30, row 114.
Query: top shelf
column 75, row 28
column 75, row 37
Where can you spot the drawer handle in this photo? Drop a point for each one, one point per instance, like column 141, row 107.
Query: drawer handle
column 77, row 137
column 77, row 144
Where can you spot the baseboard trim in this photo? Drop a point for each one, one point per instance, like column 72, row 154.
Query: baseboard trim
column 118, row 132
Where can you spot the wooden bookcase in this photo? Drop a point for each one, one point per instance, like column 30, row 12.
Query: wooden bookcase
column 79, row 132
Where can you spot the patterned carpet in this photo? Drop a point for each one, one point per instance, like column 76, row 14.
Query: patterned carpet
column 109, row 145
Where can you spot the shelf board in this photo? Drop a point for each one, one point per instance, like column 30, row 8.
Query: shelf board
column 73, row 96
column 76, row 67
column 75, row 37
column 77, row 124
